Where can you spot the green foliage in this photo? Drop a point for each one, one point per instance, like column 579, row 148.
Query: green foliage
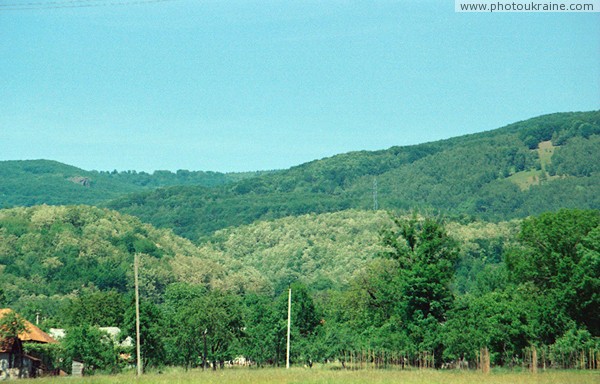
column 96, row 308
column 566, row 351
column 260, row 343
column 574, row 159
column 362, row 280
column 426, row 258
column 497, row 320
column 577, row 128
column 48, row 309
column 559, row 256
column 551, row 242
column 265, row 334
column 60, row 250
column 472, row 175
column 320, row 250
column 11, row 325
column 559, row 193
column 33, row 182
column 400, row 302
column 181, row 177
column 152, row 332
column 480, row 268
column 306, row 317
column 193, row 316
column 94, row 348
column 305, row 324
column 546, row 289
column 195, row 212
column 52, row 260
column 539, row 132
column 51, row 355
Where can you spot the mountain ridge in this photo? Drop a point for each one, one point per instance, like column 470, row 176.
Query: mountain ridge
column 34, row 182
column 463, row 176
column 497, row 174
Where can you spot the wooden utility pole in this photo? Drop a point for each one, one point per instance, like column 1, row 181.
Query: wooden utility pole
column 204, row 363
column 137, row 315
column 287, row 357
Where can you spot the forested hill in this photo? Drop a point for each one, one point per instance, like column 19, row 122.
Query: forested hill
column 541, row 164
column 358, row 278
column 32, row 182
column 48, row 253
column 525, row 168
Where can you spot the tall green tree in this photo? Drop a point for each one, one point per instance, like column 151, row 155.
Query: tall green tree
column 262, row 326
column 404, row 298
column 560, row 257
column 91, row 346
column 151, row 332
column 497, row 320
column 195, row 316
column 306, row 319
column 183, row 341
column 95, row 307
column 426, row 258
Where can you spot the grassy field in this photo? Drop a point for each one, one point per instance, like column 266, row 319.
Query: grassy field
column 526, row 179
column 326, row 376
column 545, row 152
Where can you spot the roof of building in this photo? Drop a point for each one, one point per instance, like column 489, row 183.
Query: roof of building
column 33, row 333
column 113, row 332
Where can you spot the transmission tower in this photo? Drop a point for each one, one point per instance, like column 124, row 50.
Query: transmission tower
column 375, row 203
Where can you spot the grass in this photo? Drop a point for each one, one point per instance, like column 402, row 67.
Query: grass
column 526, row 179
column 545, row 152
column 329, row 376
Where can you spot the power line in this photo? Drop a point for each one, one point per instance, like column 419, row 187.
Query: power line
column 37, row 5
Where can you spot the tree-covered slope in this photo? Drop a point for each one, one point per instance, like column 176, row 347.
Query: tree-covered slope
column 545, row 163
column 355, row 276
column 51, row 252
column 181, row 177
column 325, row 250
column 32, row 182
column 359, row 279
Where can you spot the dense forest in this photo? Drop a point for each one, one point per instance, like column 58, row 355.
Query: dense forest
column 418, row 289
column 33, row 182
column 526, row 168
column 484, row 247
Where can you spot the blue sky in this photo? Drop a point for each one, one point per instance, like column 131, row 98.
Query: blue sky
column 252, row 85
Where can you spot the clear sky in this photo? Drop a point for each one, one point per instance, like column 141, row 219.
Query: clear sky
column 252, row 85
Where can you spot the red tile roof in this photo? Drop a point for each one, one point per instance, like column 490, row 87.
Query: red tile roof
column 33, row 333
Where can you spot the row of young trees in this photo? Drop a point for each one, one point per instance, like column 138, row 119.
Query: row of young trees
column 403, row 308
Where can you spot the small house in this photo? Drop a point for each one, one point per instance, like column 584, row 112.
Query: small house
column 14, row 362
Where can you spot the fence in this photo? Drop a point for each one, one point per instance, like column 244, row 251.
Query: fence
column 546, row 357
column 532, row 358
column 382, row 359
